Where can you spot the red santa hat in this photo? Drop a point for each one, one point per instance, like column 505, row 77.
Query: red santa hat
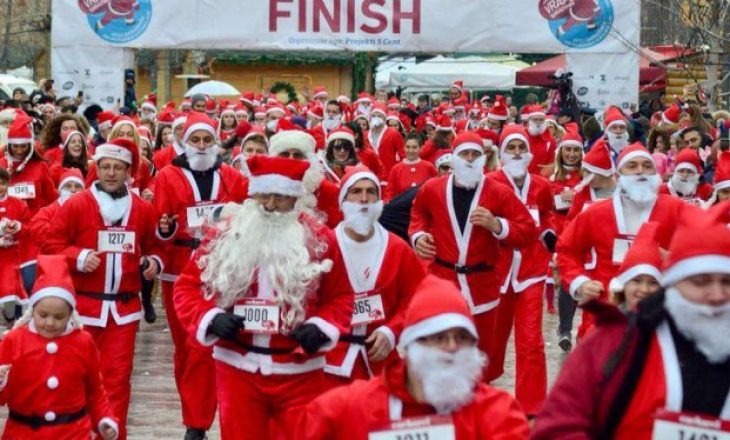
column 71, row 175
column 320, row 91
column 354, row 175
column 436, row 306
column 343, row 133
column 671, row 114
column 122, row 120
column 275, row 108
column 119, row 149
column 468, row 141
column 511, row 132
column 247, row 98
column 643, row 258
column 211, row 106
column 498, row 111
column 613, row 116
column 276, row 175
column 688, row 159
column 460, row 103
column 316, row 112
column 700, row 245
column 197, row 121
column 393, row 103
column 181, row 119
column 255, row 131
column 489, row 138
column 66, row 138
column 240, row 109
column 259, row 112
column 363, row 97
column 444, row 123
column 21, row 130
column 598, row 160
column 447, row 109
column 722, row 171
column 476, row 108
column 571, row 139
column 150, row 103
column 291, row 140
column 105, row 119
column 53, row 281
column 379, row 108
column 186, row 103
column 632, row 152
column 458, row 85
column 443, row 158
column 529, row 111
column 166, row 116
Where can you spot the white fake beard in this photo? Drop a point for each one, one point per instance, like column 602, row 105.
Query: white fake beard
column 468, row 174
column 361, row 217
column 277, row 243
column 617, row 141
column 64, row 195
column 113, row 210
column 536, row 129
column 448, row 379
column 201, row 160
column 331, row 123
column 377, row 122
column 516, row 168
column 640, row 189
column 364, row 110
column 707, row 326
column 686, row 187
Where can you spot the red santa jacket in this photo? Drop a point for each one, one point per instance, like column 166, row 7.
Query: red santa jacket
column 41, row 223
column 542, row 148
column 50, row 377
column 581, row 201
column 352, row 412
column 391, row 283
column 429, row 151
column 320, row 137
column 368, row 157
column 528, row 264
column 33, row 178
column 74, row 232
column 165, row 156
column 54, row 155
column 12, row 252
column 389, row 147
column 433, row 212
column 702, row 194
column 176, row 193
column 406, row 175
column 143, row 179
column 560, row 214
column 586, row 247
column 329, row 308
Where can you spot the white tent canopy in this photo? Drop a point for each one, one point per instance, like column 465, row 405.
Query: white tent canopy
column 440, row 72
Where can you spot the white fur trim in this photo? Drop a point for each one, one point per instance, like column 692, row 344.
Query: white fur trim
column 616, row 122
column 496, row 117
column 356, row 178
column 195, row 127
column 55, row 292
column 275, row 109
column 595, row 170
column 201, row 333
column 150, row 106
column 111, row 423
column 701, row 264
column 505, row 229
column 19, row 141
column 634, row 155
column 722, row 185
column 619, row 282
column 443, row 160
column 416, row 236
column 436, row 324
column 112, row 151
column 292, row 139
column 468, row 146
column 105, row 124
column 328, row 329
column 81, row 259
column 512, row 137
column 686, row 166
column 275, row 184
column 570, row 142
column 388, row 334
column 576, row 284
column 341, row 135
column 180, row 120
column 71, row 179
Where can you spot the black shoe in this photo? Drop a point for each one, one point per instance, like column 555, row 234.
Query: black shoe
column 195, row 434
column 565, row 344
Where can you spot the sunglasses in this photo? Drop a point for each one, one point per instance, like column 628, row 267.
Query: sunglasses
column 341, row 147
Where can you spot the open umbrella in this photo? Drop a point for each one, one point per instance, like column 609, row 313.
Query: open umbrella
column 212, row 88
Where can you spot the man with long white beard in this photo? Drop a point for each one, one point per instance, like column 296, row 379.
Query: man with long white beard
column 187, row 191
column 685, row 182
column 542, row 143
column 462, row 221
column 593, row 245
column 525, row 270
column 665, row 372
column 433, row 392
column 383, row 272
column 264, row 292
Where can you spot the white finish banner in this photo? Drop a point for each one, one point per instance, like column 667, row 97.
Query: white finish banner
column 356, row 25
column 601, row 79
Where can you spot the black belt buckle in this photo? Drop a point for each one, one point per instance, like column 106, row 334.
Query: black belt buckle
column 36, row 422
column 465, row 270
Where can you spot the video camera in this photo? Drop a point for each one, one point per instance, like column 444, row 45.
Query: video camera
column 562, row 81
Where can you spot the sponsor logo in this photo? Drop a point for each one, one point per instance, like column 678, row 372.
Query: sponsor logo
column 578, row 23
column 117, row 21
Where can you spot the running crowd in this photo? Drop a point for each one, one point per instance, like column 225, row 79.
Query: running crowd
column 354, row 270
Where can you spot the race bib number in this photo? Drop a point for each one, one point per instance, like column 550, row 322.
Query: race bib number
column 560, row 204
column 680, row 426
column 116, row 241
column 197, row 215
column 426, row 428
column 535, row 214
column 24, row 191
column 620, row 248
column 262, row 316
column 368, row 309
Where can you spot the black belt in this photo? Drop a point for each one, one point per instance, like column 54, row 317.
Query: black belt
column 353, row 339
column 36, row 421
column 121, row 296
column 192, row 243
column 480, row 267
column 263, row 350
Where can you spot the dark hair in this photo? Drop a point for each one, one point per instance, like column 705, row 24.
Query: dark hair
column 357, row 131
column 654, row 135
column 159, row 141
column 334, row 102
column 415, row 137
column 330, row 154
column 442, row 140
column 82, row 163
column 4, row 175
column 51, row 134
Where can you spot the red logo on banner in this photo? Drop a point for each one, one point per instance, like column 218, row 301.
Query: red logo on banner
column 552, row 9
column 93, row 6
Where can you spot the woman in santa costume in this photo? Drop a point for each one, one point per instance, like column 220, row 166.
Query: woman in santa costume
column 593, row 245
column 192, row 187
column 267, row 293
column 383, row 272
column 107, row 234
column 685, row 181
column 75, row 155
column 339, row 154
column 665, row 371
column 411, row 172
column 432, row 392
column 165, row 155
column 227, row 124
column 50, row 377
column 441, row 141
column 462, row 221
column 14, row 217
column 524, row 270
column 56, row 130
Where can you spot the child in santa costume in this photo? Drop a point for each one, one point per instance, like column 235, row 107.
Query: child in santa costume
column 383, row 272
column 106, row 233
column 50, row 375
column 14, row 215
column 411, row 172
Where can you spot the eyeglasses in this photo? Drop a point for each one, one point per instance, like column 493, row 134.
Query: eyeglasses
column 294, row 155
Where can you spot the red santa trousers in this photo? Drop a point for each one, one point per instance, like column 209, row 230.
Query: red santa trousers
column 251, row 403
column 524, row 309
column 485, row 324
column 194, row 370
column 116, row 352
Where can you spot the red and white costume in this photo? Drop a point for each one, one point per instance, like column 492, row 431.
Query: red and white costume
column 164, row 156
column 389, row 146
column 41, row 222
column 688, row 159
column 11, row 249
column 406, row 174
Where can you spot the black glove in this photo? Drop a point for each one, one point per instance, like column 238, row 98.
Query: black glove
column 147, row 286
column 310, row 337
column 226, row 325
column 550, row 240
